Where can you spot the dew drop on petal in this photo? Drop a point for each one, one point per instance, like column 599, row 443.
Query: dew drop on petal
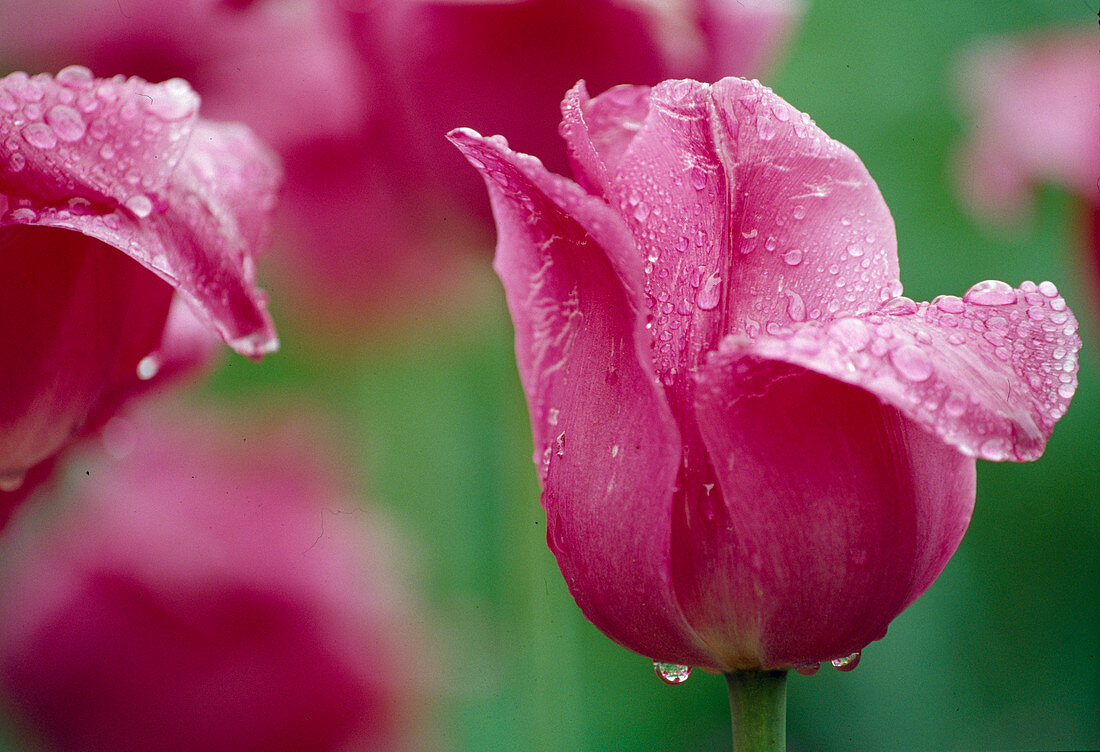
column 992, row 292
column 847, row 663
column 808, row 669
column 671, row 673
column 40, row 135
column 899, row 306
column 796, row 308
column 793, row 257
column 710, row 293
column 66, row 122
column 852, row 332
column 912, row 363
column 140, row 205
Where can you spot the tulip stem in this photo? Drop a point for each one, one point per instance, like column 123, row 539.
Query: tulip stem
column 758, row 706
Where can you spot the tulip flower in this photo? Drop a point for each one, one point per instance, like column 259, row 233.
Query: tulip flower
column 115, row 200
column 754, row 451
column 376, row 202
column 1035, row 120
column 210, row 586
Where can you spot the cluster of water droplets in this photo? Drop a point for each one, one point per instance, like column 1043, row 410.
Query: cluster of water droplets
column 993, row 364
column 844, row 663
column 117, row 138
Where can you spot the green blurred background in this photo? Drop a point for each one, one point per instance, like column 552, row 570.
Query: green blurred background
column 1001, row 653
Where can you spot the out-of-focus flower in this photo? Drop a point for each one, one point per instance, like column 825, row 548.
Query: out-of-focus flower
column 1036, row 119
column 211, row 587
column 115, row 198
column 754, row 452
column 356, row 96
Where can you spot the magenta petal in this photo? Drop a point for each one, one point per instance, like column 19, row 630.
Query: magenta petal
column 583, row 352
column 838, row 512
column 129, row 163
column 598, row 131
column 988, row 373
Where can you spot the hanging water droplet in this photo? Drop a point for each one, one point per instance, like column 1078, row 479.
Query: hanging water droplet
column 807, row 669
column 847, row 663
column 148, row 366
column 671, row 673
column 992, row 292
column 11, row 481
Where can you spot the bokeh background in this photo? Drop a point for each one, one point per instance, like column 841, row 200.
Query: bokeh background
column 1001, row 653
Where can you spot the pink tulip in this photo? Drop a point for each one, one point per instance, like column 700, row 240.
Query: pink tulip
column 356, row 96
column 1036, row 120
column 211, row 588
column 754, row 452
column 116, row 199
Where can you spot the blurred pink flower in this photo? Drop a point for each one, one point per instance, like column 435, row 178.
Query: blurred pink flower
column 754, row 452
column 1036, row 119
column 210, row 588
column 115, row 199
column 1036, row 116
column 356, row 96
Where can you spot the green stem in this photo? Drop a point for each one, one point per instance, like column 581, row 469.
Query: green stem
column 758, row 707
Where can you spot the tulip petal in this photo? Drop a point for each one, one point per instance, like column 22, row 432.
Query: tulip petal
column 747, row 214
column 129, row 163
column 989, row 373
column 564, row 259
column 838, row 512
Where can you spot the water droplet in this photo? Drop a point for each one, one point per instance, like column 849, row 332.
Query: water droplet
column 7, row 102
column 148, row 366
column 853, row 333
column 949, row 304
column 796, row 309
column 799, row 212
column 672, row 673
column 40, row 135
column 11, row 481
column 66, row 123
column 1048, row 289
column 807, row 669
column 698, row 178
column 992, row 292
column 956, row 404
column 899, row 306
column 17, row 162
column 140, row 205
column 710, row 293
column 793, row 257
column 912, row 363
column 766, row 128
column 172, row 100
column 854, row 250
column 75, row 76
column 847, row 663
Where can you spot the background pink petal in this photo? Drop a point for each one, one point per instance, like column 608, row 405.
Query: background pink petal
column 1035, row 118
column 989, row 373
column 210, row 588
column 76, row 313
column 129, row 164
column 836, row 512
column 582, row 352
